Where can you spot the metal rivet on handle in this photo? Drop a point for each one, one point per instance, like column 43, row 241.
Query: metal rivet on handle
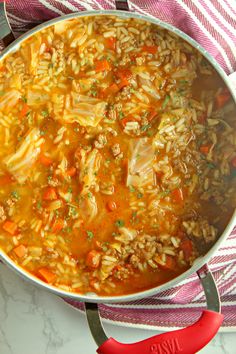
column 122, row 5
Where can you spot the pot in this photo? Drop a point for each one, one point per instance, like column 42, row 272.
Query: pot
column 180, row 341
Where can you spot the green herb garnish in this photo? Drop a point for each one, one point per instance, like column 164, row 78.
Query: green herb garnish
column 45, row 113
column 140, row 195
column 121, row 115
column 15, row 195
column 131, row 188
column 166, row 100
column 90, row 235
column 119, row 223
column 145, row 127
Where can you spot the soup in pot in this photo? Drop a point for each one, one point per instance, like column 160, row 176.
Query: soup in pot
column 117, row 157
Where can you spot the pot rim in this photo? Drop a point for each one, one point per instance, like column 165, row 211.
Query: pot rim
column 200, row 261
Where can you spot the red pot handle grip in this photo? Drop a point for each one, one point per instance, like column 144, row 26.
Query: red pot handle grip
column 188, row 340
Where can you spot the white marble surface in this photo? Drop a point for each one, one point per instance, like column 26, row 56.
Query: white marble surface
column 35, row 322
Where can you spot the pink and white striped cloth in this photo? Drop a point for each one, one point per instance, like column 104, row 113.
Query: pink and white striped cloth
column 212, row 23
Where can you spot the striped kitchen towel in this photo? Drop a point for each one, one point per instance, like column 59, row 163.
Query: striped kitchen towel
column 212, row 23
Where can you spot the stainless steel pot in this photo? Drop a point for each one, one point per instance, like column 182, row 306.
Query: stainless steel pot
column 173, row 342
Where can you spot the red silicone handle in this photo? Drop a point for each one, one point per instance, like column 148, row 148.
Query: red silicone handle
column 184, row 341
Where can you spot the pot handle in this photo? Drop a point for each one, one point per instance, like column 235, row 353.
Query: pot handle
column 6, row 34
column 188, row 340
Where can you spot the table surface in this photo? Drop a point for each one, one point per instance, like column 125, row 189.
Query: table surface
column 33, row 321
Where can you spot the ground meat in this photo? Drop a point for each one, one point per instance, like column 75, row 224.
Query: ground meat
column 100, row 142
column 2, row 214
column 200, row 229
column 53, row 182
column 115, row 150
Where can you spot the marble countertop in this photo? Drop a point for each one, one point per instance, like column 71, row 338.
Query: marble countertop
column 33, row 321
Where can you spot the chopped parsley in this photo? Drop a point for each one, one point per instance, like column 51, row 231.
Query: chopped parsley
column 166, row 100
column 50, row 65
column 121, row 115
column 39, row 205
column 131, row 188
column 42, row 132
column 210, row 165
column 90, row 235
column 119, row 223
column 24, row 99
column 70, row 190
column 140, row 195
column 145, row 127
column 45, row 113
column 164, row 193
column 15, row 195
column 134, row 219
column 90, row 195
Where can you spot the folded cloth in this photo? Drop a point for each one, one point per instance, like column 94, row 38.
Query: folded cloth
column 213, row 25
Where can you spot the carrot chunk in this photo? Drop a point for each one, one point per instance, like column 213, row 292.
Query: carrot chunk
column 187, row 248
column 71, row 171
column 170, row 263
column 151, row 49
column 111, row 205
column 123, row 83
column 58, row 225
column 45, row 160
column 114, row 88
column 205, row 149
column 10, row 227
column 93, row 259
column 111, row 43
column 102, row 65
column 50, row 194
column 20, row 251
column 25, row 109
column 47, row 275
column 222, row 98
column 152, row 115
column 177, row 195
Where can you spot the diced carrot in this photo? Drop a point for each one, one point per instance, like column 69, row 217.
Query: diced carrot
column 71, row 171
column 177, row 195
column 111, row 205
column 50, row 194
column 58, row 225
column 126, row 120
column 114, row 88
column 111, row 43
column 222, row 98
column 123, row 83
column 20, row 251
column 187, row 248
column 102, row 65
column 151, row 49
column 152, row 115
column 205, row 149
column 124, row 73
column 10, row 227
column 47, row 275
column 45, row 160
column 170, row 263
column 202, row 119
column 93, row 259
column 233, row 162
column 24, row 110
column 4, row 180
